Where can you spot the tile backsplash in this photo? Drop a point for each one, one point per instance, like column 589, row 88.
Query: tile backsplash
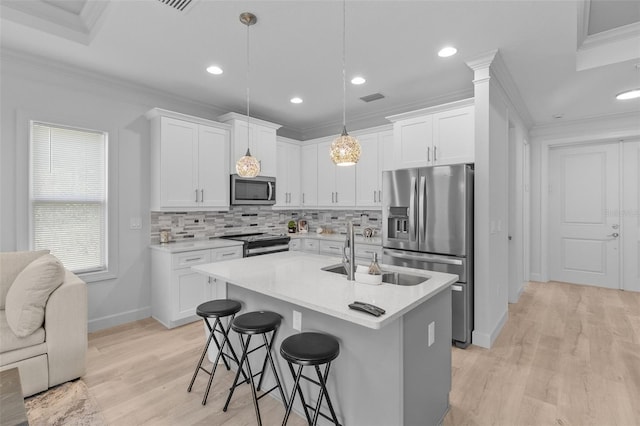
column 239, row 220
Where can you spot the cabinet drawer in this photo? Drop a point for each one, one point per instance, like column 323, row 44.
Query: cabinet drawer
column 366, row 252
column 226, row 253
column 190, row 258
column 331, row 247
column 295, row 245
column 310, row 245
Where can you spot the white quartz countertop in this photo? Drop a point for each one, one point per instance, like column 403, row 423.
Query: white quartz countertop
column 177, row 247
column 374, row 241
column 296, row 277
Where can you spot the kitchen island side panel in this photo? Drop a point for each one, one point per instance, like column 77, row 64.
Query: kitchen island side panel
column 365, row 381
column 427, row 369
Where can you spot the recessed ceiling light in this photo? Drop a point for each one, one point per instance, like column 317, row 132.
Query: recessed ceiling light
column 296, row 100
column 214, row 69
column 558, row 116
column 445, row 52
column 358, row 80
column 629, row 94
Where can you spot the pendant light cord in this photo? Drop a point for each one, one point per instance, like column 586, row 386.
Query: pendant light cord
column 248, row 97
column 344, row 66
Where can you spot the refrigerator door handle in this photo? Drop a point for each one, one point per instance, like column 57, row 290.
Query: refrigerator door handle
column 423, row 257
column 422, row 199
column 412, row 211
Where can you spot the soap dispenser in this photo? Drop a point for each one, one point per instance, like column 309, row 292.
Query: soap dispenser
column 374, row 268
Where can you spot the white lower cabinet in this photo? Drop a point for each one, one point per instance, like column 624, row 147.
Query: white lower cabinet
column 331, row 248
column 309, row 245
column 176, row 290
column 295, row 244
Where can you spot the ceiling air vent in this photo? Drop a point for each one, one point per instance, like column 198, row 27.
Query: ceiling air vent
column 179, row 5
column 372, row 97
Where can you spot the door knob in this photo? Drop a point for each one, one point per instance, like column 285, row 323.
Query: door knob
column 614, row 235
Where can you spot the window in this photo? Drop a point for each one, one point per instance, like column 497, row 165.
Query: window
column 68, row 195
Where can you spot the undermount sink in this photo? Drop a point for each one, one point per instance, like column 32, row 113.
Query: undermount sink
column 397, row 278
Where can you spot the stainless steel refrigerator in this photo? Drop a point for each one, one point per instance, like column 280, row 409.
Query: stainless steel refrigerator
column 427, row 223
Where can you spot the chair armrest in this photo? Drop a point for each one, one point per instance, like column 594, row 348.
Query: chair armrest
column 65, row 326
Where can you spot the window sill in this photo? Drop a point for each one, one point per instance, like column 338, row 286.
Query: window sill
column 92, row 277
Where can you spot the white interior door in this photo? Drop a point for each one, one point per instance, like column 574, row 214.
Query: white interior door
column 630, row 216
column 584, row 227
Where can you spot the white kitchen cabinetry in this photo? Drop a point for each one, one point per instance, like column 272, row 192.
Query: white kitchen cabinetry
column 261, row 140
column 375, row 148
column 295, row 244
column 188, row 166
column 310, row 246
column 331, row 248
column 309, row 175
column 336, row 184
column 435, row 136
column 176, row 290
column 288, row 175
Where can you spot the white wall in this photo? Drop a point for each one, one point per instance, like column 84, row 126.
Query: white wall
column 612, row 128
column 32, row 89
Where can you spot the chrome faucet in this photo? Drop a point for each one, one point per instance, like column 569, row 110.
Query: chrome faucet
column 349, row 261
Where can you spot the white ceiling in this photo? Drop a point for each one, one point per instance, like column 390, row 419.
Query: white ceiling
column 296, row 51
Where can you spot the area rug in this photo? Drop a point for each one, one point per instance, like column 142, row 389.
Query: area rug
column 66, row 404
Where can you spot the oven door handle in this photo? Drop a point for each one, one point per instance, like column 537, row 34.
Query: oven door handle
column 268, row 249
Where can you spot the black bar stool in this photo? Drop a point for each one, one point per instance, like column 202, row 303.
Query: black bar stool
column 249, row 324
column 310, row 349
column 217, row 309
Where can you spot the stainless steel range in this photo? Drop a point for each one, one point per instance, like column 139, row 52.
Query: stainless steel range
column 260, row 243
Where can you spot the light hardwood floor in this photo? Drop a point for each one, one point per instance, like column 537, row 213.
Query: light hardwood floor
column 568, row 355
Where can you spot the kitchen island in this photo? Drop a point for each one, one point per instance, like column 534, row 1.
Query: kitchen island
column 392, row 370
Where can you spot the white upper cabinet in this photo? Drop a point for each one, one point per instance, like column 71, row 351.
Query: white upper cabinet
column 375, row 147
column 454, row 136
column 309, row 175
column 188, row 162
column 261, row 141
column 336, row 184
column 288, row 174
column 435, row 136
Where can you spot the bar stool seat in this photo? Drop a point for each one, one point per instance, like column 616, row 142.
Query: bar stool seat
column 216, row 309
column 250, row 324
column 256, row 322
column 310, row 349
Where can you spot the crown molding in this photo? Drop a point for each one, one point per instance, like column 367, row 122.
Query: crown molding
column 613, row 126
column 584, row 10
column 51, row 67
column 43, row 16
column 609, row 47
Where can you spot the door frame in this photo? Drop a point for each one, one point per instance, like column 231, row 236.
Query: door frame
column 546, row 147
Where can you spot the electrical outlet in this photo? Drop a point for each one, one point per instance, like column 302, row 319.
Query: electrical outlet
column 297, row 321
column 431, row 333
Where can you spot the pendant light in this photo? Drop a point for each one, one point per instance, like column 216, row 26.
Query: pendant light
column 345, row 149
column 248, row 166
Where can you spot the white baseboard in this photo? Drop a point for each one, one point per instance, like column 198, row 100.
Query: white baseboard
column 485, row 340
column 120, row 318
column 536, row 277
column 518, row 294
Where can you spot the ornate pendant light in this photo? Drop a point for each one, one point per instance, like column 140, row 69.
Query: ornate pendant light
column 248, row 166
column 345, row 149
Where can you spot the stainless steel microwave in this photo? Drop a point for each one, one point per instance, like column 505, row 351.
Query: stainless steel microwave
column 260, row 190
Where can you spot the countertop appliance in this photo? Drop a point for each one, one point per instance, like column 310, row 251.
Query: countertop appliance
column 427, row 223
column 258, row 243
column 260, row 190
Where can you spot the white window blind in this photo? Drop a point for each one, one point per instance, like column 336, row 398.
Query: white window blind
column 68, row 195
